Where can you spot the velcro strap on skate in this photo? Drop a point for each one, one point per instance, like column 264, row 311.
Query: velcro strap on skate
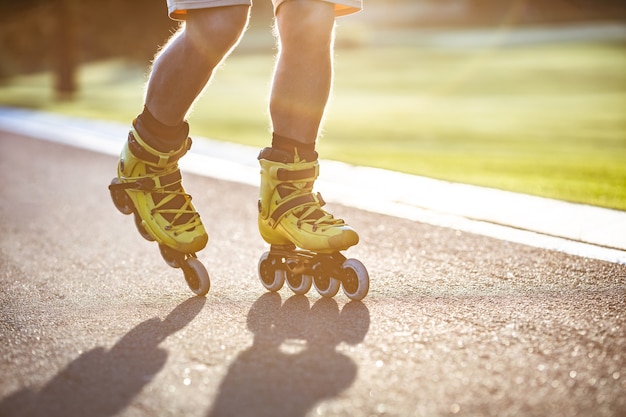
column 150, row 183
column 288, row 205
column 159, row 159
column 297, row 175
column 173, row 178
column 144, row 184
column 141, row 184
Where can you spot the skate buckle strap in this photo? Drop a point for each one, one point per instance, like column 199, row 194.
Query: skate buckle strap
column 147, row 184
column 140, row 184
column 292, row 203
column 162, row 181
column 145, row 153
column 297, row 175
column 144, row 184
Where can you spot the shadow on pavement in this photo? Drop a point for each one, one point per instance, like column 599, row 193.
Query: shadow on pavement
column 100, row 382
column 293, row 363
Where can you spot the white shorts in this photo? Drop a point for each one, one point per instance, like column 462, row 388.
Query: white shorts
column 177, row 9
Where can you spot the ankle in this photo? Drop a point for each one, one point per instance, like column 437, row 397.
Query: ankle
column 288, row 148
column 162, row 137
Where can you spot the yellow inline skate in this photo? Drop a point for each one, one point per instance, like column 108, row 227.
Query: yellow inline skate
column 305, row 240
column 149, row 186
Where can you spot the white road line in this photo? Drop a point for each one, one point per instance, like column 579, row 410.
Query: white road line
column 539, row 222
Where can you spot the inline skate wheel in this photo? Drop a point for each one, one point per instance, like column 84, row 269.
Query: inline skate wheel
column 121, row 200
column 197, row 276
column 356, row 282
column 141, row 229
column 325, row 285
column 271, row 275
column 171, row 256
column 298, row 283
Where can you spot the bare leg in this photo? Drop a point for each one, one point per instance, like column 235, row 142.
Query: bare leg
column 289, row 211
column 158, row 138
column 186, row 63
column 303, row 74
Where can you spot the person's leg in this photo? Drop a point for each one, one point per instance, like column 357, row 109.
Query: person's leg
column 186, row 63
column 148, row 168
column 289, row 211
column 303, row 74
column 185, row 66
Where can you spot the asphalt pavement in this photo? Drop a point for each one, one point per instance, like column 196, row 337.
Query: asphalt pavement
column 93, row 323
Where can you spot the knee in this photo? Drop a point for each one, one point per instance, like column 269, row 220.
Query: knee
column 305, row 23
column 215, row 31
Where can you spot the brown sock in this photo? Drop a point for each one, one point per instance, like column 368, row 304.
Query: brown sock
column 305, row 151
column 160, row 136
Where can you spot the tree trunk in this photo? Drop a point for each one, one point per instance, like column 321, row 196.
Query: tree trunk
column 65, row 50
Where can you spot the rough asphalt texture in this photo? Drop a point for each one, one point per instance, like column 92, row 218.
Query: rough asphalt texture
column 94, row 323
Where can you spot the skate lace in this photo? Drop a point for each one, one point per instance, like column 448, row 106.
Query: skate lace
column 170, row 200
column 309, row 213
column 182, row 217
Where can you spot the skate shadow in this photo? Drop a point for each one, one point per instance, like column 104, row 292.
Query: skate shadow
column 101, row 382
column 293, row 363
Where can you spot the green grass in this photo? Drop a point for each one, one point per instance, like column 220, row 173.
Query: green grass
column 544, row 120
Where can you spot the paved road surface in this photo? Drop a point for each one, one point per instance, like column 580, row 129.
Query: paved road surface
column 93, row 323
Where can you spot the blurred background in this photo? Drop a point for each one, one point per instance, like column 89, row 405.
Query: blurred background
column 521, row 95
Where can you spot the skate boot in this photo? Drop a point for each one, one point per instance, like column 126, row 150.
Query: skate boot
column 149, row 186
column 305, row 240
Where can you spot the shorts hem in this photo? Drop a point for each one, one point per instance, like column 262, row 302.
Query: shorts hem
column 177, row 9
